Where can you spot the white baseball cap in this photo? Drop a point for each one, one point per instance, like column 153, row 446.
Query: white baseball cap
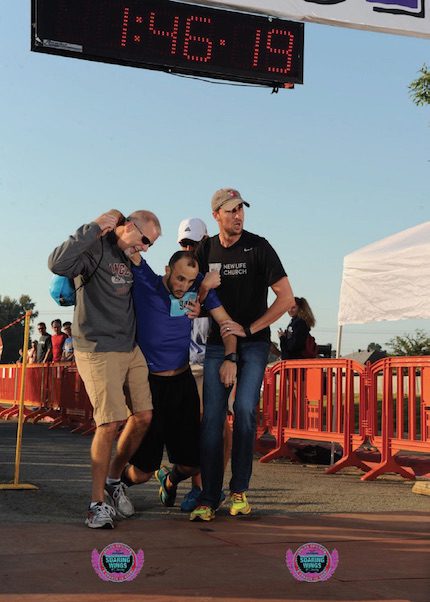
column 192, row 228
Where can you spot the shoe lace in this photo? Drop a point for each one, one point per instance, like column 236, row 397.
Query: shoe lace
column 237, row 498
column 119, row 491
column 104, row 510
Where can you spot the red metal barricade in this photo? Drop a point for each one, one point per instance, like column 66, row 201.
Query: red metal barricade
column 315, row 400
column 11, row 380
column 400, row 416
column 52, row 391
column 8, row 389
column 378, row 414
column 75, row 410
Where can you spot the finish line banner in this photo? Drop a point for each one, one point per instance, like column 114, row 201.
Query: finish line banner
column 405, row 17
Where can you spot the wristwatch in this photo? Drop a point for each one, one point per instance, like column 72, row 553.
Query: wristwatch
column 232, row 357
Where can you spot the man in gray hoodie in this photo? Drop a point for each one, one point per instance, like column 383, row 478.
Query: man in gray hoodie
column 107, row 357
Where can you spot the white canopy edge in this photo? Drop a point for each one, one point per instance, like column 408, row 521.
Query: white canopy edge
column 388, row 279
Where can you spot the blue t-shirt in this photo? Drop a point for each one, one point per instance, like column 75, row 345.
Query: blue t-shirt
column 163, row 336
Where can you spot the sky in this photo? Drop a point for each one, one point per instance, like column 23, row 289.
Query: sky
column 335, row 164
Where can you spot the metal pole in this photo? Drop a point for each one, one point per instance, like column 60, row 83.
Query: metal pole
column 16, row 484
column 339, row 340
column 21, row 396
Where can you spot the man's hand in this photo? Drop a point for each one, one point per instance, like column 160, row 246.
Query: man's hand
column 133, row 255
column 228, row 327
column 227, row 373
column 108, row 221
column 211, row 280
column 193, row 309
column 281, row 332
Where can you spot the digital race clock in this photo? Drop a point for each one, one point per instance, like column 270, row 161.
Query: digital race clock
column 172, row 36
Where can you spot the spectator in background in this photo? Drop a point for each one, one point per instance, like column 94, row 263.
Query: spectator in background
column 32, row 353
column 293, row 339
column 57, row 339
column 44, row 344
column 191, row 232
column 68, row 352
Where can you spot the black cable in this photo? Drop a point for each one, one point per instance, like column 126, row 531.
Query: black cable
column 95, row 269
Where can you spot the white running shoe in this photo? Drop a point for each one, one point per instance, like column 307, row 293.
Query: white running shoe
column 118, row 498
column 100, row 516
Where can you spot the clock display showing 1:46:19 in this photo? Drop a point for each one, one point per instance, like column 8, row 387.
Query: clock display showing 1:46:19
column 211, row 40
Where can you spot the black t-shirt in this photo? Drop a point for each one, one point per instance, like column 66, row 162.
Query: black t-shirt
column 44, row 343
column 248, row 268
column 293, row 343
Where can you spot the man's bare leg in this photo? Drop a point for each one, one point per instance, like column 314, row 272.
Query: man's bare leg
column 135, row 476
column 101, row 450
column 129, row 440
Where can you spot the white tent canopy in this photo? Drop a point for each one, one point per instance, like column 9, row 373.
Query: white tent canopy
column 388, row 279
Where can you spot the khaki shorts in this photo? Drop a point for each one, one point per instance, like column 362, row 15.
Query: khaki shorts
column 106, row 375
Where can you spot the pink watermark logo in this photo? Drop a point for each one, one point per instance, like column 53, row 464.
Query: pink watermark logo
column 117, row 562
column 312, row 562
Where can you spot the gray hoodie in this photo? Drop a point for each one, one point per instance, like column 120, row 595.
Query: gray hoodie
column 104, row 317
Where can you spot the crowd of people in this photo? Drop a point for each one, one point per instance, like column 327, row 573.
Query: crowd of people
column 134, row 332
column 56, row 347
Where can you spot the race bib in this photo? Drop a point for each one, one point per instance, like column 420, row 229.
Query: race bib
column 178, row 306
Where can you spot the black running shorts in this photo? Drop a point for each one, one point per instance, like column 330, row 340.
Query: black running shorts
column 175, row 423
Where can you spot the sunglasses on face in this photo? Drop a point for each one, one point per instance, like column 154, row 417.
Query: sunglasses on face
column 186, row 242
column 145, row 240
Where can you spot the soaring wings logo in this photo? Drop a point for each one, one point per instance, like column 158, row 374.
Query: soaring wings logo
column 117, row 562
column 312, row 562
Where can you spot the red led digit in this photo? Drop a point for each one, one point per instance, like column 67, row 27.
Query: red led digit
column 189, row 37
column 257, row 47
column 286, row 51
column 162, row 32
column 124, row 27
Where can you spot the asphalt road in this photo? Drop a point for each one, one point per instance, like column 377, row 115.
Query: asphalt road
column 57, row 461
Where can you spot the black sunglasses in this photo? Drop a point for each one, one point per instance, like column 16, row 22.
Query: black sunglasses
column 145, row 239
column 187, row 242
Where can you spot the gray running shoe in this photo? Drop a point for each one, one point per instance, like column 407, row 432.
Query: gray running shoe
column 118, row 498
column 100, row 516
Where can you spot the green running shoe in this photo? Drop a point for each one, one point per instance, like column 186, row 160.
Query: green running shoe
column 203, row 513
column 167, row 496
column 239, row 504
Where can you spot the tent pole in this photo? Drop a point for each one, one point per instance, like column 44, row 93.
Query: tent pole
column 339, row 340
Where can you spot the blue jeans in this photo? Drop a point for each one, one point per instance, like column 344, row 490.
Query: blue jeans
column 250, row 372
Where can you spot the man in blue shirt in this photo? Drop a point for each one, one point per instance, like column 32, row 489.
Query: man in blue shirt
column 163, row 305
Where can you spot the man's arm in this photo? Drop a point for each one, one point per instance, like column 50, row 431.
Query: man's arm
column 68, row 259
column 210, row 281
column 283, row 302
column 48, row 354
column 228, row 368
